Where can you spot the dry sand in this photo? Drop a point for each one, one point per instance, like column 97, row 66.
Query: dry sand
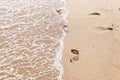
column 96, row 37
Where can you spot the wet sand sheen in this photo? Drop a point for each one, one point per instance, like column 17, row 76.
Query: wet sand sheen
column 31, row 39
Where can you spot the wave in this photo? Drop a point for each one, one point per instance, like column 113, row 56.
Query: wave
column 32, row 36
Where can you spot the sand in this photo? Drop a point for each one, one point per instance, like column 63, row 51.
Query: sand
column 96, row 37
column 94, row 31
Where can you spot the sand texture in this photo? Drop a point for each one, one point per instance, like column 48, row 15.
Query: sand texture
column 94, row 30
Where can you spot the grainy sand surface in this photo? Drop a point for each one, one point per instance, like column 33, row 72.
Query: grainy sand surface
column 96, row 37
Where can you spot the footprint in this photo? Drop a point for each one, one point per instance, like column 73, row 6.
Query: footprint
column 65, row 27
column 95, row 13
column 76, row 57
column 105, row 29
column 75, row 51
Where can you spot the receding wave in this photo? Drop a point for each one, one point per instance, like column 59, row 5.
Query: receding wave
column 31, row 39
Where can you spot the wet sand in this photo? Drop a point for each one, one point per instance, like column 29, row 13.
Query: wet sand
column 31, row 39
column 94, row 30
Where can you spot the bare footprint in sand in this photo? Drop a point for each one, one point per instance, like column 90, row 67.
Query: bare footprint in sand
column 65, row 27
column 95, row 13
column 76, row 57
column 106, row 29
column 75, row 51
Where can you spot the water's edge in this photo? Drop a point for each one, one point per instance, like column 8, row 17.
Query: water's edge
column 32, row 38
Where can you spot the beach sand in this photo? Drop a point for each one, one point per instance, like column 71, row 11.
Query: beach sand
column 94, row 30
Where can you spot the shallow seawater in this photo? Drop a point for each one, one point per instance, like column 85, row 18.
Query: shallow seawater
column 31, row 39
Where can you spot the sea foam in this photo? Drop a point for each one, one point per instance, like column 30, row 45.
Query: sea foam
column 31, row 39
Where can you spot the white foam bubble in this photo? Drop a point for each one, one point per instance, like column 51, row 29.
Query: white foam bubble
column 48, row 39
